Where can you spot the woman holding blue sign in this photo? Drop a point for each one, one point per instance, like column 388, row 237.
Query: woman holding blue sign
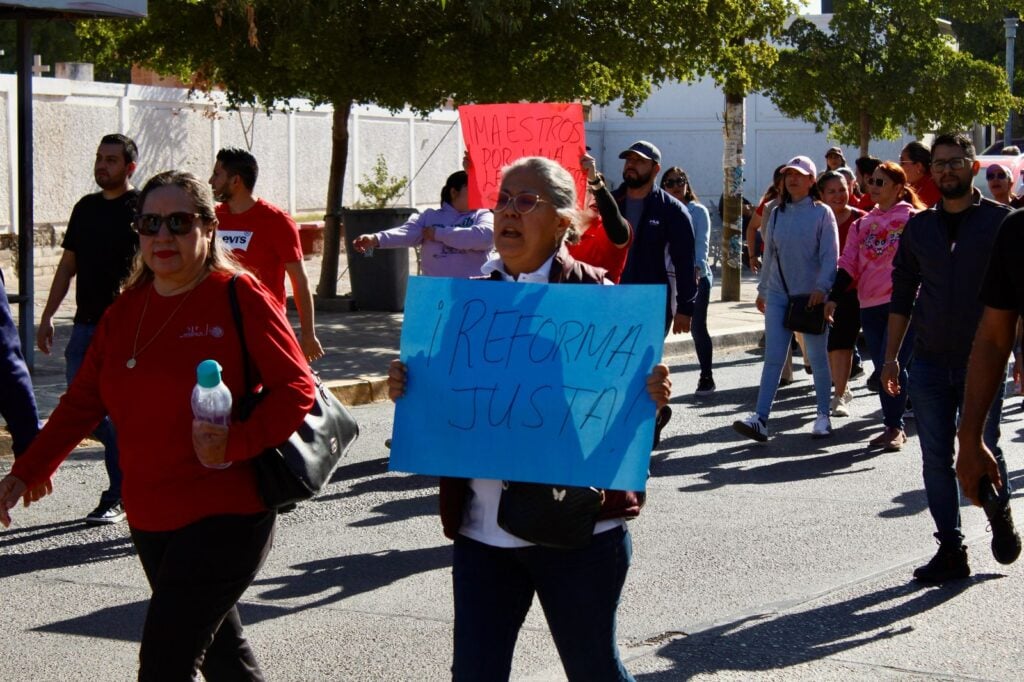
column 497, row 572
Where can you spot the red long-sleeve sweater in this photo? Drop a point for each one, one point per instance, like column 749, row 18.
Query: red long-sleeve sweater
column 165, row 487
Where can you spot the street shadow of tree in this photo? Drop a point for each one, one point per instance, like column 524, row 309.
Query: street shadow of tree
column 763, row 643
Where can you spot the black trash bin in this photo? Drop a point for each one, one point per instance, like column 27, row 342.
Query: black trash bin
column 378, row 278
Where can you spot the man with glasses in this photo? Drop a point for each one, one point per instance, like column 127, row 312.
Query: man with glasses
column 662, row 238
column 263, row 237
column 937, row 274
column 99, row 247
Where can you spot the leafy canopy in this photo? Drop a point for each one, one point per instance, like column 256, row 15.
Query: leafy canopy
column 423, row 52
column 886, row 65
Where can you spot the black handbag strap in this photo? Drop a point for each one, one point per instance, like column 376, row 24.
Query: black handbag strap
column 778, row 254
column 236, row 313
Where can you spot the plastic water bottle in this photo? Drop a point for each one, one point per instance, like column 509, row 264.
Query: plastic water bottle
column 211, row 399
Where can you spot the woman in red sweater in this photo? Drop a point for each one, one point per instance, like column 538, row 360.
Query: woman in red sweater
column 200, row 529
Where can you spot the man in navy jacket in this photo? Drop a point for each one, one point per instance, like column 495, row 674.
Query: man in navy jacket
column 662, row 242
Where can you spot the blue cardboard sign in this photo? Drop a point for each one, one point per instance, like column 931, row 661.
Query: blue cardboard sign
column 528, row 382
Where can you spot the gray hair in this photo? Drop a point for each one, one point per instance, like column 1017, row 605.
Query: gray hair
column 559, row 187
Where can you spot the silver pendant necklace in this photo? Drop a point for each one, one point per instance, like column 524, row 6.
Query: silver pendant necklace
column 136, row 350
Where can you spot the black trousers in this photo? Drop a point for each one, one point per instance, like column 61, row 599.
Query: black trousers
column 197, row 574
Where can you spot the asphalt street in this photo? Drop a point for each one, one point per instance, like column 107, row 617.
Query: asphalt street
column 789, row 560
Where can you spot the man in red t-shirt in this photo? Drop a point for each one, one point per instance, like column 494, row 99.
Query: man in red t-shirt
column 263, row 237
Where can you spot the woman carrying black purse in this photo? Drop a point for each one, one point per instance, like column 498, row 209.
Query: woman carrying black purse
column 496, row 572
column 801, row 251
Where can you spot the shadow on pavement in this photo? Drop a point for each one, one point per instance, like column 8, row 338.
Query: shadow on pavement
column 27, row 560
column 327, row 581
column 122, row 622
column 764, row 643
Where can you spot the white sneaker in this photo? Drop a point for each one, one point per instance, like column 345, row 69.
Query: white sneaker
column 839, row 405
column 752, row 427
column 822, row 427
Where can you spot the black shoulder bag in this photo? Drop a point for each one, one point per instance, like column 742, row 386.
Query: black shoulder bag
column 801, row 316
column 298, row 468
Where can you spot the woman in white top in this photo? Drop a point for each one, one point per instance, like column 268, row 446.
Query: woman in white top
column 496, row 574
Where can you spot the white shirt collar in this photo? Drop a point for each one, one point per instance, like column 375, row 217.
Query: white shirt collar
column 541, row 275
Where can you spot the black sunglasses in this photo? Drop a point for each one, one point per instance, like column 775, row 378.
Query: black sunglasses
column 877, row 182
column 998, row 175
column 178, row 224
column 674, row 182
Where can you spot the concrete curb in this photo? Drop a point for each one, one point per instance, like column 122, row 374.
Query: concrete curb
column 360, row 391
column 372, row 389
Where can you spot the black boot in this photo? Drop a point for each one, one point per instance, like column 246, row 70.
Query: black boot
column 949, row 563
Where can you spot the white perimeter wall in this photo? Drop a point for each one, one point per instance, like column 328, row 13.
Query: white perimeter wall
column 293, row 149
column 174, row 131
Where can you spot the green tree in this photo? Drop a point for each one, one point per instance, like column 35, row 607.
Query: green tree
column 54, row 40
column 885, row 66
column 422, row 52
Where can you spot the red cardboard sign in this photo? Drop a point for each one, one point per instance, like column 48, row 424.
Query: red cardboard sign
column 498, row 134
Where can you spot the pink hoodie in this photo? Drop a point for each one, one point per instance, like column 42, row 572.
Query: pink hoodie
column 870, row 246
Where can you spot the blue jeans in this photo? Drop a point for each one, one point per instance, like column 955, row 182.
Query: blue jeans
column 776, row 347
column 699, row 326
column 938, row 395
column 578, row 589
column 17, row 400
column 875, row 323
column 74, row 355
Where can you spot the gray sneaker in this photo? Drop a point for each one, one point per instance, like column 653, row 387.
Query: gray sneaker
column 106, row 514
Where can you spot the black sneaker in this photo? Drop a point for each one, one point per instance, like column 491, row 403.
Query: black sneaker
column 949, row 563
column 705, row 386
column 1005, row 540
column 874, row 383
column 106, row 514
column 664, row 415
column 856, row 371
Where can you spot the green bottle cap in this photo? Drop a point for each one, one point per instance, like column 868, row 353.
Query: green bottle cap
column 208, row 373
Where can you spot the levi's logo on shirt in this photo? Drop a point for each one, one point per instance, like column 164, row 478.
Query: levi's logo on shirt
column 236, row 240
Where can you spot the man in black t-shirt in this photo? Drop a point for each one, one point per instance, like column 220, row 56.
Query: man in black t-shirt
column 977, row 468
column 99, row 247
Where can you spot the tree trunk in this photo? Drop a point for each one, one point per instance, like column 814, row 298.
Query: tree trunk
column 865, row 131
column 732, row 210
column 333, row 229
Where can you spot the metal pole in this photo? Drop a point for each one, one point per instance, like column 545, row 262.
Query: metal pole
column 26, row 230
column 1011, row 36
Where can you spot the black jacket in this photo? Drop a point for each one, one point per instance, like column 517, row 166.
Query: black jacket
column 665, row 222
column 949, row 272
